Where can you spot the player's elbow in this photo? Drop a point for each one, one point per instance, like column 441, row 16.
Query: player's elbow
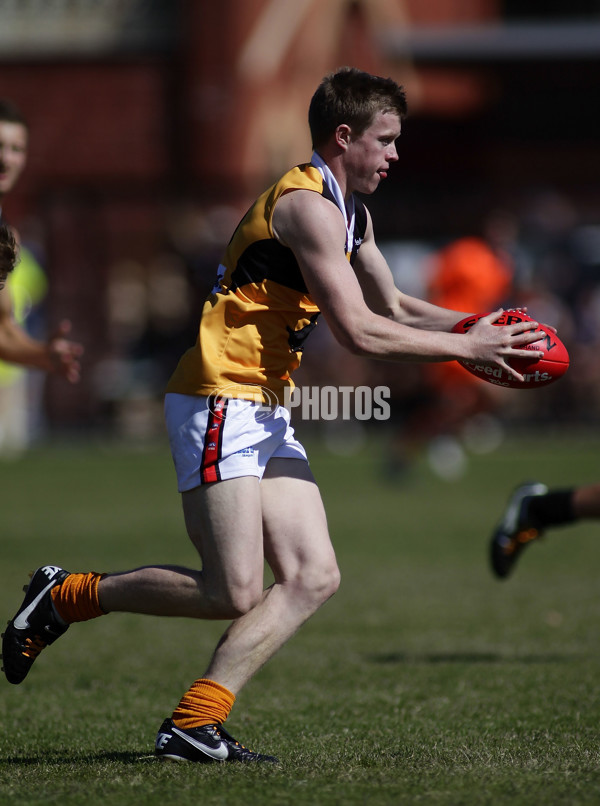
column 355, row 341
column 355, row 329
column 347, row 334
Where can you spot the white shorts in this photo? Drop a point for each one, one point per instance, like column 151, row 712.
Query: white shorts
column 213, row 439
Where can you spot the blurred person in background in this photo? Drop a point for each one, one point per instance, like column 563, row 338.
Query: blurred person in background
column 8, row 253
column 305, row 247
column 26, row 286
column 532, row 509
column 472, row 273
column 450, row 407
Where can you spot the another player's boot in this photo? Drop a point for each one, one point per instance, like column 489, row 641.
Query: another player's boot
column 34, row 626
column 516, row 530
column 204, row 745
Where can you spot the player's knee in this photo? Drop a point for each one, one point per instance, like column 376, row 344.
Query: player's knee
column 332, row 582
column 320, row 583
column 244, row 601
column 237, row 601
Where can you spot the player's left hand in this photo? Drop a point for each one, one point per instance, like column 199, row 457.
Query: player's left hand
column 64, row 354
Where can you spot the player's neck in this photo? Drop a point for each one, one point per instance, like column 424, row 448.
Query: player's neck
column 335, row 164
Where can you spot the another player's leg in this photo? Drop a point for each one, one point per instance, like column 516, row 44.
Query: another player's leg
column 584, row 502
column 298, row 549
column 533, row 509
column 517, row 529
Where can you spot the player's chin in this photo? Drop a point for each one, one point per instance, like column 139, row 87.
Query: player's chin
column 371, row 185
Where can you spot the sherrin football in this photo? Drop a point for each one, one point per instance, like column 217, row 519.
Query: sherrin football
column 537, row 372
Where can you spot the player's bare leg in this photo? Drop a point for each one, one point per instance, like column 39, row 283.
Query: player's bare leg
column 300, row 554
column 586, row 501
column 224, row 522
column 297, row 546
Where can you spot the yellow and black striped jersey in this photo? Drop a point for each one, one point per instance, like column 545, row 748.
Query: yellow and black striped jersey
column 256, row 320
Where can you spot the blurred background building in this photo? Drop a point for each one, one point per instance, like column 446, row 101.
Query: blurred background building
column 154, row 123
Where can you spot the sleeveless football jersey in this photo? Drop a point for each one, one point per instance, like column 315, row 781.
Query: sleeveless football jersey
column 255, row 322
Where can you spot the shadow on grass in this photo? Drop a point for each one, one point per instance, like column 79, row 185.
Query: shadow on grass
column 466, row 657
column 69, row 759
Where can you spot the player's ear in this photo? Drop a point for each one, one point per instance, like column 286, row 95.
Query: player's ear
column 343, row 135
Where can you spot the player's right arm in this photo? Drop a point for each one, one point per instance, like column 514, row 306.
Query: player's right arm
column 315, row 231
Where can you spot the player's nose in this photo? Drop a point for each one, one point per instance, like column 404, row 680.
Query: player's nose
column 392, row 154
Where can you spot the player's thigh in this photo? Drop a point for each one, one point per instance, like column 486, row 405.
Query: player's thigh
column 223, row 521
column 295, row 527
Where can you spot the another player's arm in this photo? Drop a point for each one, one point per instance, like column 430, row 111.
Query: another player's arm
column 407, row 329
column 58, row 355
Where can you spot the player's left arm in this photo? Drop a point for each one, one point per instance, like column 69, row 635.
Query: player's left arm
column 58, row 355
column 384, row 298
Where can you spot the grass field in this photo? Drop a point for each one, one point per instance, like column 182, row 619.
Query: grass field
column 423, row 681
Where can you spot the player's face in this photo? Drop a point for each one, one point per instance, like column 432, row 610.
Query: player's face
column 13, row 154
column 370, row 154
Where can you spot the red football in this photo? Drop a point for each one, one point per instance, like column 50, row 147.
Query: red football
column 537, row 372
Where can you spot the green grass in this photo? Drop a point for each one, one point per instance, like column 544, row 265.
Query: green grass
column 423, row 681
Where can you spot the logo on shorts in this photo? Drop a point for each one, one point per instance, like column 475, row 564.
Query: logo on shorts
column 246, row 452
column 265, row 399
